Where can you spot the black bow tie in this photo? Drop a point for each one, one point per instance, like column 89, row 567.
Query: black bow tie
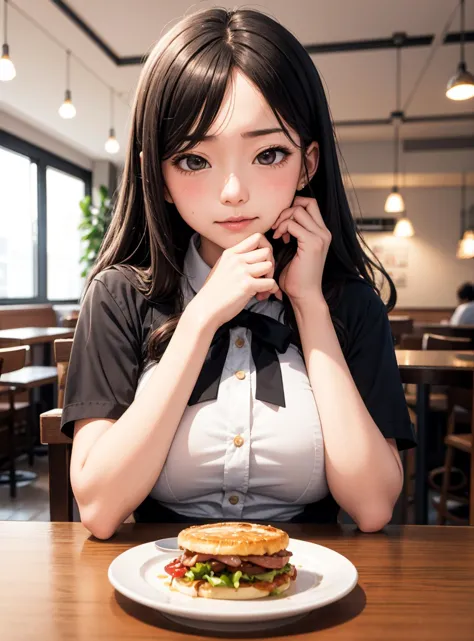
column 268, row 335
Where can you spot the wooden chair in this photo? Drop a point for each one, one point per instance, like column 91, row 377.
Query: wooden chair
column 410, row 341
column 461, row 411
column 59, row 445
column 438, row 400
column 70, row 321
column 13, row 359
column 399, row 326
column 450, row 343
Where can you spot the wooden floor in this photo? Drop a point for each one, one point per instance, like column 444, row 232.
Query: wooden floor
column 32, row 500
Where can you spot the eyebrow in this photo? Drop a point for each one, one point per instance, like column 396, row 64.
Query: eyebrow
column 247, row 134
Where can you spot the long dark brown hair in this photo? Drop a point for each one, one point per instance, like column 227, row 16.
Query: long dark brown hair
column 181, row 89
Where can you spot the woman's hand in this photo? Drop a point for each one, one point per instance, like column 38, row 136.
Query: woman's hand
column 302, row 277
column 242, row 271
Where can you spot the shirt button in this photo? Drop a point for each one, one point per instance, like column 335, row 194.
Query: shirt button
column 239, row 342
column 240, row 375
column 233, row 500
column 238, row 441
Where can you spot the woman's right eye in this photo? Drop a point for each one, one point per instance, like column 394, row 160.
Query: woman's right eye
column 190, row 163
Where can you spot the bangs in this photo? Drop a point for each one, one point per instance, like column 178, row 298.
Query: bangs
column 196, row 85
column 193, row 96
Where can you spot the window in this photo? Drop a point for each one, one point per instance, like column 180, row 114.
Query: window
column 63, row 215
column 18, row 225
column 40, row 243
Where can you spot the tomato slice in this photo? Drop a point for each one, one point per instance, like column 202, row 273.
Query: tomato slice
column 176, row 569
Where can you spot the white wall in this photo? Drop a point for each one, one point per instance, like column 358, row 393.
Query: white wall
column 42, row 139
column 433, row 272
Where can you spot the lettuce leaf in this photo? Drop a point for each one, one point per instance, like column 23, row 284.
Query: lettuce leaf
column 202, row 571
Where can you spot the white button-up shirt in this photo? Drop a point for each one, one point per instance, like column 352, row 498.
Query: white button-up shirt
column 236, row 457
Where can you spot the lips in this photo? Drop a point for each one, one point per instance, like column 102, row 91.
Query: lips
column 236, row 220
column 236, row 224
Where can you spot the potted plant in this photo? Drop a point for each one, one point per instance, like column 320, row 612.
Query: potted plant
column 94, row 224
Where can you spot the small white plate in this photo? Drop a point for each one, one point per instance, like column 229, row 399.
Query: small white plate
column 324, row 576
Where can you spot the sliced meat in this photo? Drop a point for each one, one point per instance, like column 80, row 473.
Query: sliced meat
column 269, row 562
column 217, row 566
column 233, row 561
column 283, row 553
column 250, row 569
column 190, row 561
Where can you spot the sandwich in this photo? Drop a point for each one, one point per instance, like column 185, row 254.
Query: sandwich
column 232, row 561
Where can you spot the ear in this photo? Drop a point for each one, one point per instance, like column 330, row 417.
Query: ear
column 312, row 162
column 167, row 194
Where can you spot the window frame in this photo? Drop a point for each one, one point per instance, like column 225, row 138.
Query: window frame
column 43, row 160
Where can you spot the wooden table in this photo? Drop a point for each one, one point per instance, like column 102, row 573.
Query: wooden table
column 34, row 336
column 415, row 583
column 425, row 368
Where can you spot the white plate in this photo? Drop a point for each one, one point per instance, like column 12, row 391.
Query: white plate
column 324, row 576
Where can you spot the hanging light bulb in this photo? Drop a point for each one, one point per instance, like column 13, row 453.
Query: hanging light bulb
column 466, row 245
column 112, row 145
column 465, row 248
column 394, row 203
column 404, row 228
column 67, row 110
column 461, row 85
column 7, row 68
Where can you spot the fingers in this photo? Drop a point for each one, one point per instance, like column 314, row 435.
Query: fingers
column 266, row 285
column 311, row 206
column 248, row 244
column 261, row 269
column 256, row 256
column 302, row 217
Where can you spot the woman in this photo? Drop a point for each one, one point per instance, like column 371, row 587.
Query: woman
column 224, row 369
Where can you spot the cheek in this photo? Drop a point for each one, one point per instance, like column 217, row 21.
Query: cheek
column 189, row 195
column 279, row 189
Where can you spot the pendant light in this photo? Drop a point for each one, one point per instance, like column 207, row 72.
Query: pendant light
column 7, row 68
column 461, row 85
column 395, row 203
column 112, row 146
column 465, row 248
column 67, row 110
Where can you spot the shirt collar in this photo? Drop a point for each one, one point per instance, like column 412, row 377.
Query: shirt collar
column 195, row 268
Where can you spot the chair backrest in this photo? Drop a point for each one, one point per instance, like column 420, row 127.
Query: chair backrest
column 70, row 321
column 410, row 341
column 59, row 445
column 400, row 326
column 62, row 354
column 13, row 316
column 436, row 341
column 12, row 358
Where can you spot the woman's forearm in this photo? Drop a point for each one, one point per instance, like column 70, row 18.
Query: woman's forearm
column 362, row 471
column 125, row 462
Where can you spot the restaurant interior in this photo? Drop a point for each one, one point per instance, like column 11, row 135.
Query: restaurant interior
column 399, row 81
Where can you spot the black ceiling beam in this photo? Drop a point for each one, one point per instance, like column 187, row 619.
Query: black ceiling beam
column 409, row 120
column 328, row 47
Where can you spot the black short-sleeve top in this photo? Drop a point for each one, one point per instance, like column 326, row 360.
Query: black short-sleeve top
column 109, row 357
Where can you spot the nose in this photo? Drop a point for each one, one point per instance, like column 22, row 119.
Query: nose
column 234, row 192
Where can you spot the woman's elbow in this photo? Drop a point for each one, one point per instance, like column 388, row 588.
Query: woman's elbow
column 374, row 521
column 98, row 525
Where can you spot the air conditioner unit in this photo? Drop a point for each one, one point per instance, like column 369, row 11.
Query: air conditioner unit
column 376, row 224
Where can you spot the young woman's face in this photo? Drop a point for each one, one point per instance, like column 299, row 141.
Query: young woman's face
column 248, row 169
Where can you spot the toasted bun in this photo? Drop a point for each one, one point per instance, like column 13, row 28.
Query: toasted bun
column 243, row 539
column 206, row 591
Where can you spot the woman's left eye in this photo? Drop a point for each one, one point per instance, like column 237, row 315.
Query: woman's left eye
column 269, row 156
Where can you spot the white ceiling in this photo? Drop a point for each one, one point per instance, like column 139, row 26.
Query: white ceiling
column 360, row 85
